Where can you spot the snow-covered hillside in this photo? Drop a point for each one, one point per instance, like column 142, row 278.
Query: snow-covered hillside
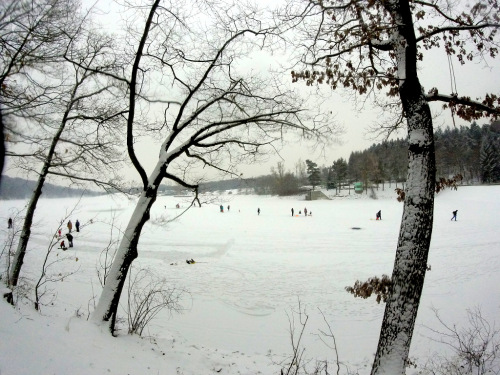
column 250, row 272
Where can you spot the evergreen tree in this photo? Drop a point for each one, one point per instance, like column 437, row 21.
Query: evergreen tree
column 489, row 161
column 313, row 173
column 339, row 169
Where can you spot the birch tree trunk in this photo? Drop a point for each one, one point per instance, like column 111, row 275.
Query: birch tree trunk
column 416, row 225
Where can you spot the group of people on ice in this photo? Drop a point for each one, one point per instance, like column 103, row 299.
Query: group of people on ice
column 221, row 207
column 300, row 212
column 68, row 235
column 378, row 215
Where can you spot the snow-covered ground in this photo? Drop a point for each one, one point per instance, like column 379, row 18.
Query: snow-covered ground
column 250, row 273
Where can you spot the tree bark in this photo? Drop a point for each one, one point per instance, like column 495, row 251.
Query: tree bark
column 107, row 307
column 18, row 260
column 30, row 211
column 416, row 225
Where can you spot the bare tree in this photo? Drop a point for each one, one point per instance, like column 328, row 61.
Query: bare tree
column 73, row 131
column 30, row 37
column 372, row 48
column 49, row 273
column 148, row 295
column 475, row 347
column 216, row 114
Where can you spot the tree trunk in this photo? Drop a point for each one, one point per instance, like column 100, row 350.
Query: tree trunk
column 2, row 144
column 107, row 306
column 30, row 211
column 26, row 231
column 416, row 225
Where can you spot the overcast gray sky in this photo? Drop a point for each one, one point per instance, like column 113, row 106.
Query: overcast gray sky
column 473, row 79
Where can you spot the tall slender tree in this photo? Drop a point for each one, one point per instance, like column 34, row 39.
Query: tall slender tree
column 31, row 35
column 74, row 132
column 216, row 113
column 374, row 47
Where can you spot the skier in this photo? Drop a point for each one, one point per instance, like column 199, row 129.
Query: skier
column 305, row 211
column 63, row 246
column 77, row 224
column 379, row 215
column 69, row 225
column 292, row 212
column 258, row 211
column 454, row 215
column 9, row 223
column 69, row 236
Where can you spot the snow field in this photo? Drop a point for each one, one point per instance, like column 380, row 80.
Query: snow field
column 252, row 270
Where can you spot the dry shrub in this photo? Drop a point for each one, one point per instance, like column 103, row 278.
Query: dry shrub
column 374, row 285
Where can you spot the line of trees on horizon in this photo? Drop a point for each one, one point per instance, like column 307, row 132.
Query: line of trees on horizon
column 469, row 151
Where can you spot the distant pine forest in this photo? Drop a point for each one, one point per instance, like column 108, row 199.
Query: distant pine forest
column 469, row 151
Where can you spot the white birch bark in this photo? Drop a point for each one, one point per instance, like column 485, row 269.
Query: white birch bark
column 106, row 308
column 416, row 225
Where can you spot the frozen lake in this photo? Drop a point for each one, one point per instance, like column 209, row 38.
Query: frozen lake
column 251, row 270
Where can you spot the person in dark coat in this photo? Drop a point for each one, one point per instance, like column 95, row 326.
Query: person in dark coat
column 258, row 211
column 69, row 236
column 454, row 215
column 379, row 215
column 9, row 223
column 292, row 211
column 228, row 207
column 77, row 225
column 305, row 211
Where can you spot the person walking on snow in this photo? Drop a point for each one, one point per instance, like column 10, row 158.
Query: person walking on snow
column 292, row 212
column 77, row 225
column 70, row 225
column 454, row 215
column 9, row 223
column 228, row 207
column 305, row 211
column 69, row 236
column 379, row 215
column 258, row 211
